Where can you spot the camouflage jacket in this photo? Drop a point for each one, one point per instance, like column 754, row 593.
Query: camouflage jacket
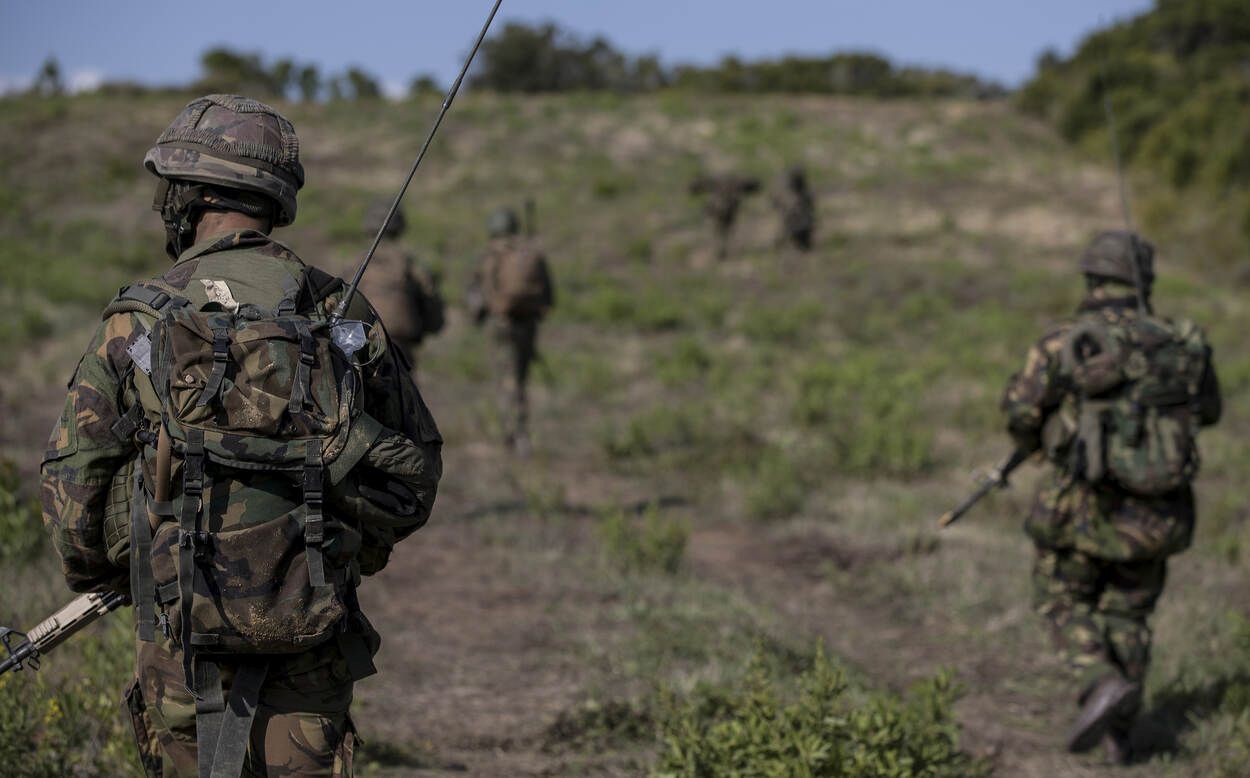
column 84, row 454
column 1068, row 512
column 723, row 194
column 405, row 294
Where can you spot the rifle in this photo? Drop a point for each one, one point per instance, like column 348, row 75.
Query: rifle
column 996, row 478
column 25, row 648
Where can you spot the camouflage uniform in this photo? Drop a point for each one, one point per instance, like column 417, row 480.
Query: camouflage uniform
column 514, row 337
column 1101, row 551
column 302, row 726
column 723, row 196
column 793, row 201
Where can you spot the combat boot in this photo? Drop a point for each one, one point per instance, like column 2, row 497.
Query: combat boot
column 1111, row 698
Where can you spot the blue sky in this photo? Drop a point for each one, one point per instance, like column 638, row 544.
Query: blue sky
column 160, row 42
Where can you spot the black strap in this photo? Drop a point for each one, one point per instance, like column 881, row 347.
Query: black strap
column 235, row 727
column 303, row 373
column 221, row 355
column 124, row 428
column 210, row 707
column 191, row 542
column 142, row 582
column 289, row 303
column 314, row 522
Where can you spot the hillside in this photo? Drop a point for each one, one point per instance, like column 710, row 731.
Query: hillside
column 806, row 417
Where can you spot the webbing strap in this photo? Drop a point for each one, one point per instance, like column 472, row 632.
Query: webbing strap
column 235, row 728
column 124, row 428
column 142, row 582
column 303, row 373
column 221, row 354
column 191, row 541
column 288, row 305
column 314, row 522
column 210, row 708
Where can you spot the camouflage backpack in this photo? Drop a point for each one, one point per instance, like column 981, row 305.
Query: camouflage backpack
column 516, row 279
column 260, row 412
column 1137, row 382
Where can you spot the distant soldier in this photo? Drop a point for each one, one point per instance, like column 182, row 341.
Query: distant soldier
column 403, row 291
column 1114, row 398
column 793, row 200
column 723, row 195
column 512, row 291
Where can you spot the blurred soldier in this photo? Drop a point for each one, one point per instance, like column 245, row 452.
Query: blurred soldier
column 512, row 291
column 723, row 195
column 404, row 292
column 793, row 200
column 234, row 469
column 1114, row 397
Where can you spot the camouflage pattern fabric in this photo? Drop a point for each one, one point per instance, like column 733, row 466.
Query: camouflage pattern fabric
column 723, row 195
column 514, row 349
column 405, row 295
column 84, row 455
column 1102, row 552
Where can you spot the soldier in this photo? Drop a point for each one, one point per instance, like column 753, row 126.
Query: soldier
column 793, row 201
column 1114, row 399
column 404, row 292
column 261, row 491
column 512, row 291
column 723, row 195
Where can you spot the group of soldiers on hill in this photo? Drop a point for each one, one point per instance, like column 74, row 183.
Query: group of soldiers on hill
column 243, row 440
column 724, row 194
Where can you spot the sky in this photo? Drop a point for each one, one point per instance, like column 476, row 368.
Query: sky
column 160, row 42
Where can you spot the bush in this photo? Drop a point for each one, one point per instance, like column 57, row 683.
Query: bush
column 866, row 406
column 776, row 488
column 826, row 731
column 22, row 536
column 652, row 544
column 72, row 726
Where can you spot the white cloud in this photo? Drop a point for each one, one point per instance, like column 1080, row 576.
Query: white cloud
column 395, row 90
column 10, row 84
column 84, row 80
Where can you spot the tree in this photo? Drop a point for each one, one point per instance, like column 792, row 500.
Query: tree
column 309, row 82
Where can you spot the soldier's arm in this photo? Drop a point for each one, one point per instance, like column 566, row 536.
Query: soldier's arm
column 82, row 456
column 1034, row 392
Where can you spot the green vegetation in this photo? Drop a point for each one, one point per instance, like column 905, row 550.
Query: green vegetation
column 22, row 536
column 1176, row 79
column 653, row 544
column 825, row 730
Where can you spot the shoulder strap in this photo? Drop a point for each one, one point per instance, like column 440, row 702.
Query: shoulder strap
column 150, row 297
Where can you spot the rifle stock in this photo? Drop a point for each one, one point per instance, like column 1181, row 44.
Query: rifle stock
column 996, row 478
column 24, row 648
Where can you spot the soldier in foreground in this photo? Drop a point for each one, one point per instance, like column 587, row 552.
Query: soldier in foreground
column 723, row 195
column 794, row 203
column 404, row 292
column 511, row 293
column 1114, row 398
column 234, row 468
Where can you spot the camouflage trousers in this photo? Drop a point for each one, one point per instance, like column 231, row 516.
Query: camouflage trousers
column 1098, row 611
column 514, row 352
column 302, row 726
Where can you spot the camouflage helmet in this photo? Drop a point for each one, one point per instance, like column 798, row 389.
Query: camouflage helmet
column 233, row 142
column 1112, row 254
column 503, row 222
column 376, row 214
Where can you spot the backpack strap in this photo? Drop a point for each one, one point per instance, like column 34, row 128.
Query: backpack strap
column 191, row 542
column 142, row 582
column 314, row 522
column 223, row 729
column 146, row 297
column 221, row 355
column 303, row 372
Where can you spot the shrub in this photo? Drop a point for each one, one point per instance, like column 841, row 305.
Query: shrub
column 650, row 544
column 776, row 488
column 825, row 731
column 22, row 536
